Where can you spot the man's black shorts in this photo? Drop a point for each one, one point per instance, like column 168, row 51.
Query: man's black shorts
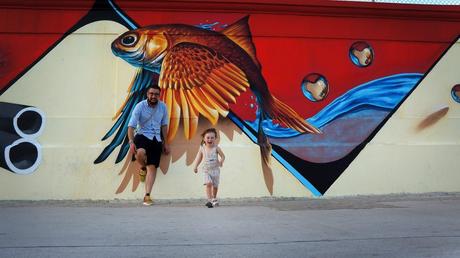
column 152, row 148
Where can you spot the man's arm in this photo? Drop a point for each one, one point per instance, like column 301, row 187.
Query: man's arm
column 131, row 125
column 132, row 147
column 130, row 134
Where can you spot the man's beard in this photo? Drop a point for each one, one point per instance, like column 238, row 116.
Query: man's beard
column 152, row 103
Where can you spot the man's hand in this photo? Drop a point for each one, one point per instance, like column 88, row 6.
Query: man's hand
column 132, row 147
column 166, row 149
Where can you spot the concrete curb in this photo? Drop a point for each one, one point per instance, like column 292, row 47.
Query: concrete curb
column 281, row 203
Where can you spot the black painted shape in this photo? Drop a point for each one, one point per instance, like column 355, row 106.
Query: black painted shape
column 7, row 114
column 17, row 154
column 320, row 175
column 100, row 11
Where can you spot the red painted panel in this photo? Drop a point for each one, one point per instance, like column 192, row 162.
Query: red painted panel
column 26, row 34
column 292, row 46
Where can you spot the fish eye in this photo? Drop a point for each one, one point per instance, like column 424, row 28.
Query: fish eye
column 129, row 40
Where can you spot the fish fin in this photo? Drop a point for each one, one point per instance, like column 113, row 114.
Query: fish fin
column 198, row 80
column 288, row 117
column 141, row 81
column 202, row 106
column 239, row 33
column 265, row 153
column 174, row 109
column 189, row 115
column 130, row 88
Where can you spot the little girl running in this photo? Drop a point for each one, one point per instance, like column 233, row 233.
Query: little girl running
column 209, row 152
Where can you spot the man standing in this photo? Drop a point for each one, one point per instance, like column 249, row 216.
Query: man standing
column 150, row 117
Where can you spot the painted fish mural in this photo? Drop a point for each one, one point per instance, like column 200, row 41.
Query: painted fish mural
column 348, row 83
column 201, row 72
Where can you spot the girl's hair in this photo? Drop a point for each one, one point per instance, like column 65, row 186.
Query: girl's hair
column 209, row 130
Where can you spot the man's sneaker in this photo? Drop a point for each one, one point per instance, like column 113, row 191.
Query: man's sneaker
column 215, row 202
column 142, row 174
column 209, row 205
column 147, row 201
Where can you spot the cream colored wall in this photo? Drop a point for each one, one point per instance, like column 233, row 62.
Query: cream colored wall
column 403, row 159
column 79, row 85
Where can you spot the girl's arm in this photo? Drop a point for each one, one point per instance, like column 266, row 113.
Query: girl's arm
column 222, row 156
column 197, row 161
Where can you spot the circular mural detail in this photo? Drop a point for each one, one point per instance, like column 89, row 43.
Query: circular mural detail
column 315, row 87
column 361, row 54
column 455, row 92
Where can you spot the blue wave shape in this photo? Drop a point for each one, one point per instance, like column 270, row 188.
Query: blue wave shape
column 382, row 94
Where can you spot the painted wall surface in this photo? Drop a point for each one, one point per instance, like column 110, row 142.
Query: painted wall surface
column 352, row 99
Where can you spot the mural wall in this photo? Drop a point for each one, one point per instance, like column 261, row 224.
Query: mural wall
column 326, row 99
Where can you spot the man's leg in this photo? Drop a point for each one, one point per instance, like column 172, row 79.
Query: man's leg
column 150, row 178
column 152, row 161
column 141, row 157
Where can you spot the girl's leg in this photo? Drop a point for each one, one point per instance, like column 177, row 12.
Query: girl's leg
column 214, row 192
column 214, row 197
column 209, row 191
column 209, row 195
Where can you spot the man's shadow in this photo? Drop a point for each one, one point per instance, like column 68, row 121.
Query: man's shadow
column 179, row 147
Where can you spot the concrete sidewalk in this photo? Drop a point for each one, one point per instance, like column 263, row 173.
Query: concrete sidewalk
column 374, row 226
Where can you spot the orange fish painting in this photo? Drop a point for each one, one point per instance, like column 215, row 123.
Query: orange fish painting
column 201, row 72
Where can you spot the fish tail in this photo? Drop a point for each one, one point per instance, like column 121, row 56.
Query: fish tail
column 289, row 118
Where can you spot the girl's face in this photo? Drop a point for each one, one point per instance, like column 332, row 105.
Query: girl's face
column 209, row 138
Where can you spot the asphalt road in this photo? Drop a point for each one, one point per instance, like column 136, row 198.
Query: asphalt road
column 377, row 226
